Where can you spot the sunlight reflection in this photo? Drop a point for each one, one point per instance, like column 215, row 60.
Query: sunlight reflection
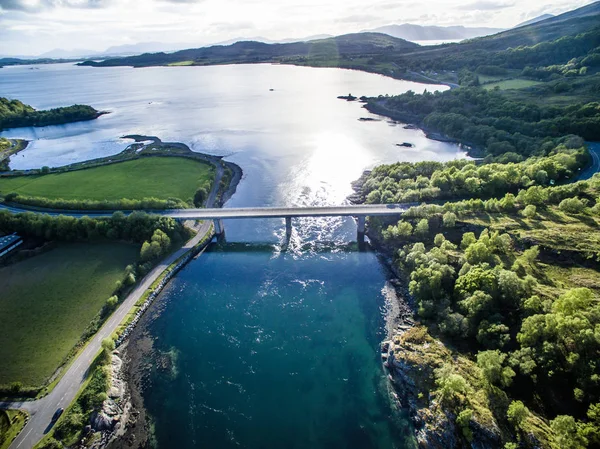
column 335, row 162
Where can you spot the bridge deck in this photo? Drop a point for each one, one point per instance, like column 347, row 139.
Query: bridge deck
column 246, row 212
column 284, row 212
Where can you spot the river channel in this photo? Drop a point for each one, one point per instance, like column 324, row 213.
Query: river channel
column 261, row 348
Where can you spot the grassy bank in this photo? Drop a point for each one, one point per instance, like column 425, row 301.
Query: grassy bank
column 155, row 177
column 70, row 283
column 11, row 423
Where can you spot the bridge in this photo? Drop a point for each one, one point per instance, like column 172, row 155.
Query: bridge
column 217, row 215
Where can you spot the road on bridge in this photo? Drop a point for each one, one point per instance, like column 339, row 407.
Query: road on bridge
column 244, row 212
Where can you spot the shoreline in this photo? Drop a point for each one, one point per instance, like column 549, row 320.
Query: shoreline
column 138, row 150
column 432, row 134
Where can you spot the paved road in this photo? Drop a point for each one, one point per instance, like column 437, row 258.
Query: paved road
column 594, row 148
column 250, row 212
column 64, row 392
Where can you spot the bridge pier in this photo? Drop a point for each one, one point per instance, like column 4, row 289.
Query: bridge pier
column 288, row 228
column 219, row 229
column 360, row 232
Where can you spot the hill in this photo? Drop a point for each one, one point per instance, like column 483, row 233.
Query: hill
column 412, row 32
column 535, row 20
column 349, row 45
column 566, row 36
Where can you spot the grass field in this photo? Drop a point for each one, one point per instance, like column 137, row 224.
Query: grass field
column 157, row 177
column 181, row 63
column 11, row 423
column 47, row 302
column 511, row 84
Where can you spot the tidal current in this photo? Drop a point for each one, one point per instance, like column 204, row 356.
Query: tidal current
column 262, row 348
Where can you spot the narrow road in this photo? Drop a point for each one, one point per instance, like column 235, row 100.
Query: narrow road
column 212, row 196
column 594, row 148
column 64, row 392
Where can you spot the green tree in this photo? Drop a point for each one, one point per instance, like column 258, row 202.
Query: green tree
column 567, row 433
column 491, row 365
column 449, row 220
column 516, row 414
column 439, row 239
column 452, row 387
column 422, row 227
column 468, row 239
column 112, row 302
column 477, row 253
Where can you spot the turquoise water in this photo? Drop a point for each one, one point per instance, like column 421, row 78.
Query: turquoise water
column 260, row 349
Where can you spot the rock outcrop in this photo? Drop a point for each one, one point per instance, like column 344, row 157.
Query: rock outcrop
column 411, row 358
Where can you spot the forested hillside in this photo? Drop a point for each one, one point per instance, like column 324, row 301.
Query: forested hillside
column 503, row 264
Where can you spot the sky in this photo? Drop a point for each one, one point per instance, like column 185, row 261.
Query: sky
column 33, row 27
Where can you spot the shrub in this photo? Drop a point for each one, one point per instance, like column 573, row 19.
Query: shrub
column 572, row 205
column 449, row 220
column 422, row 227
column 530, row 211
column 516, row 413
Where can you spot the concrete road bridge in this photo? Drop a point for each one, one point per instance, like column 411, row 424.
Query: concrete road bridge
column 360, row 212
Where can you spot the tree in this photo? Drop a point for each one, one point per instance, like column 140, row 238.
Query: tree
column 439, row 239
column 449, row 220
column 468, row 239
column 422, row 227
column 108, row 344
column 567, row 434
column 491, row 364
column 111, row 302
column 452, row 387
column 517, row 412
column 477, row 253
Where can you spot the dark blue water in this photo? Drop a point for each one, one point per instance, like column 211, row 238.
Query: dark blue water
column 262, row 349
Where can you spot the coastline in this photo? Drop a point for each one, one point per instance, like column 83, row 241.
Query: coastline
column 413, row 122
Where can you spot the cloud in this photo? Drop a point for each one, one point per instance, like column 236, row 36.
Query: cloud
column 358, row 18
column 224, row 27
column 40, row 5
column 486, row 5
column 182, row 1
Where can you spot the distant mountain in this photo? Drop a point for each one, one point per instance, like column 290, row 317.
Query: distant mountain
column 382, row 53
column 59, row 53
column 265, row 40
column 323, row 50
column 535, row 20
column 433, row 33
column 143, row 47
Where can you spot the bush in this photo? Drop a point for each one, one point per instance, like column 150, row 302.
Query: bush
column 572, row 205
column 530, row 211
column 516, row 413
column 422, row 227
column 112, row 302
column 449, row 220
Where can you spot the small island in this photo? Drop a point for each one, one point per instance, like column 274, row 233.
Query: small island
column 15, row 114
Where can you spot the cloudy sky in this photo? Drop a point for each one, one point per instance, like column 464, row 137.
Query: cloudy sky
column 32, row 27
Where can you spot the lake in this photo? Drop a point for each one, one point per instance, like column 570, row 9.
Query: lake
column 267, row 348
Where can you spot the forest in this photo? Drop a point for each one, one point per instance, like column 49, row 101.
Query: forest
column 404, row 182
column 491, row 122
column 483, row 276
column 15, row 114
